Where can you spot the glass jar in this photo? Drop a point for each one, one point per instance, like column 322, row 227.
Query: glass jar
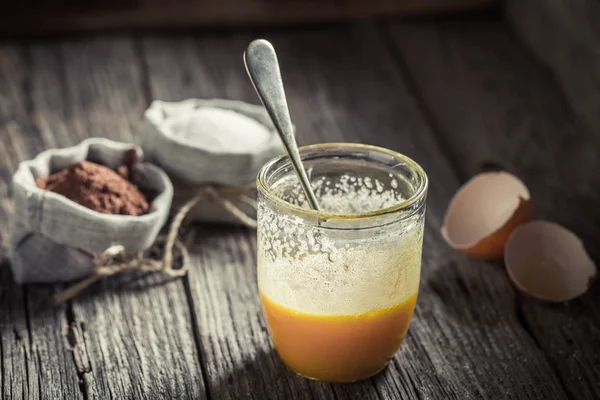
column 339, row 286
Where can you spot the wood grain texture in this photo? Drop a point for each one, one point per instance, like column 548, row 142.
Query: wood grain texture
column 465, row 340
column 138, row 335
column 472, row 335
column 35, row 362
column 238, row 358
column 494, row 104
column 124, row 338
column 565, row 35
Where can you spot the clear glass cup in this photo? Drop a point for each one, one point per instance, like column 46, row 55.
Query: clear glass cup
column 339, row 286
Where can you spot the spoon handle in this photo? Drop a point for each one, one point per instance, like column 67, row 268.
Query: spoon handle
column 263, row 69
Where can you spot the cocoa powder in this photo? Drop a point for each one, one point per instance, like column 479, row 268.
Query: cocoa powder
column 98, row 188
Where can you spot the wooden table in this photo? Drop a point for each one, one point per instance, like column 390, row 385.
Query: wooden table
column 457, row 96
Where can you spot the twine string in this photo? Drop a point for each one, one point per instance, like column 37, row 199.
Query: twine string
column 115, row 259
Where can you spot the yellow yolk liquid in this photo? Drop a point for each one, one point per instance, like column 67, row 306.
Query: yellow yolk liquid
column 338, row 348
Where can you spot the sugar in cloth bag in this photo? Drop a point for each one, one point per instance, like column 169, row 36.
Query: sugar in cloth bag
column 211, row 143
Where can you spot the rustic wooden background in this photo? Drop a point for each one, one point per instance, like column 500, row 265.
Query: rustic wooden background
column 565, row 35
column 458, row 96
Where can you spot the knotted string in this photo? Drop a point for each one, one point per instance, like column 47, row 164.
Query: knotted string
column 115, row 260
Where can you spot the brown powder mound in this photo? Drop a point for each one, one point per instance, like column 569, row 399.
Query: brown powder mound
column 98, row 188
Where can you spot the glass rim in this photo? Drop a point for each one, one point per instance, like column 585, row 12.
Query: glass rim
column 418, row 194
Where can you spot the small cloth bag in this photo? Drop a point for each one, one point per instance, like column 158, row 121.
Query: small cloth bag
column 55, row 239
column 192, row 146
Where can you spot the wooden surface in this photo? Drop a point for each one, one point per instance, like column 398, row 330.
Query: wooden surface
column 565, row 35
column 456, row 96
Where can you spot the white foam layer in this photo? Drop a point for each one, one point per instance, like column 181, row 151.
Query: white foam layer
column 351, row 281
column 347, row 194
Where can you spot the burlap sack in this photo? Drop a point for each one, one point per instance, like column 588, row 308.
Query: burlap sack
column 54, row 239
column 192, row 165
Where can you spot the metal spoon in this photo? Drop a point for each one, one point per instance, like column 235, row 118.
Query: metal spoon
column 263, row 69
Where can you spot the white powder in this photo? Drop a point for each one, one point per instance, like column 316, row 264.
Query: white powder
column 219, row 130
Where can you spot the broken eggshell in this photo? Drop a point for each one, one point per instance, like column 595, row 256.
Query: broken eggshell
column 548, row 262
column 484, row 212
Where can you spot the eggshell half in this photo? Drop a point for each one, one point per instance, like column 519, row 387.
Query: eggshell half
column 548, row 262
column 484, row 212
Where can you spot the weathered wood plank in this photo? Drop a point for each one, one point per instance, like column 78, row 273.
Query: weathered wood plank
column 139, row 339
column 117, row 341
column 493, row 102
column 35, row 360
column 465, row 340
column 238, row 359
column 15, row 349
column 12, row 108
column 565, row 36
